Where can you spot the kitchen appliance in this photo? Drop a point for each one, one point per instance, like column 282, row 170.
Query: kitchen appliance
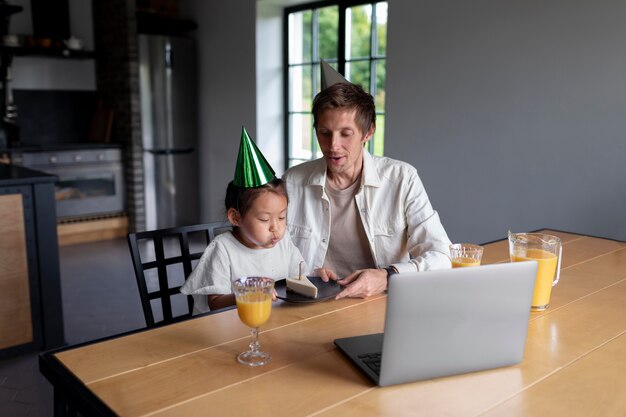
column 168, row 85
column 91, row 183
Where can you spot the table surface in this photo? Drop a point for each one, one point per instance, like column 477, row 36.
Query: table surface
column 574, row 362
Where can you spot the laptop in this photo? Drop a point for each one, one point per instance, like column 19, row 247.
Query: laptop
column 448, row 322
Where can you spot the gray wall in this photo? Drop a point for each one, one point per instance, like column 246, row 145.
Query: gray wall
column 226, row 59
column 513, row 112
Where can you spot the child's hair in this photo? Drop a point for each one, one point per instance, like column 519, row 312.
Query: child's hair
column 241, row 199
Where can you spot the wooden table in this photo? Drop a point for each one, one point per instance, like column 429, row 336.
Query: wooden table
column 574, row 363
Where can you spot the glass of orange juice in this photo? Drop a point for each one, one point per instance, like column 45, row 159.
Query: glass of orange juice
column 465, row 254
column 546, row 250
column 254, row 306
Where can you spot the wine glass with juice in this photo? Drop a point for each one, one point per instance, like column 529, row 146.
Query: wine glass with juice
column 254, row 306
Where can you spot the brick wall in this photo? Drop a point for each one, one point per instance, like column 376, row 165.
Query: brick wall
column 115, row 35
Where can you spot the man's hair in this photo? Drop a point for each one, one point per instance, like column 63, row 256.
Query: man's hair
column 241, row 199
column 350, row 97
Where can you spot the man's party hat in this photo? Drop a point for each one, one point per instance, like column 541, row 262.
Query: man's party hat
column 330, row 76
column 252, row 168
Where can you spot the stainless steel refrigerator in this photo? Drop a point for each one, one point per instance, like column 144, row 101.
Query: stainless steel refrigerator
column 169, row 119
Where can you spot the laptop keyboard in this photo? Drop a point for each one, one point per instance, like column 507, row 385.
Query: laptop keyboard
column 372, row 361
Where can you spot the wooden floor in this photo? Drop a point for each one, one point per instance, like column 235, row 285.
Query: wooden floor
column 100, row 299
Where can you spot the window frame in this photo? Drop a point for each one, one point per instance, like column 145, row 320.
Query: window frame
column 373, row 58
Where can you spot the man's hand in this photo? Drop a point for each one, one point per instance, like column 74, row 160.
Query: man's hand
column 363, row 283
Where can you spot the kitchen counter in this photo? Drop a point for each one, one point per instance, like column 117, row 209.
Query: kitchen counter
column 60, row 147
column 30, row 300
column 11, row 175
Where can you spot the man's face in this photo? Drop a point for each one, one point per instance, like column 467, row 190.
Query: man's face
column 341, row 141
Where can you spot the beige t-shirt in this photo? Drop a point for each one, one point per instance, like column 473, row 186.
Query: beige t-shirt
column 348, row 248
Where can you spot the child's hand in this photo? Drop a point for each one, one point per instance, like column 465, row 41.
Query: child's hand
column 274, row 294
column 326, row 274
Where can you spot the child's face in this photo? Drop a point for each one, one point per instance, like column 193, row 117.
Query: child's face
column 264, row 223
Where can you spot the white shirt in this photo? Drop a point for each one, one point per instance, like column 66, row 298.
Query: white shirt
column 402, row 228
column 226, row 259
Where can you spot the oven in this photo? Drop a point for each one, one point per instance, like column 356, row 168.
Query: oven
column 90, row 184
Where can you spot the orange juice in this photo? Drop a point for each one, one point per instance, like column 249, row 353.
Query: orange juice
column 464, row 261
column 547, row 263
column 254, row 309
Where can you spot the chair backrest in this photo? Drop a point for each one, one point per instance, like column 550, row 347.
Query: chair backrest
column 163, row 259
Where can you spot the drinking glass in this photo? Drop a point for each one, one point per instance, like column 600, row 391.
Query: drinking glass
column 547, row 251
column 254, row 305
column 465, row 254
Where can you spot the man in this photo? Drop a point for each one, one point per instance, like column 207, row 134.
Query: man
column 355, row 217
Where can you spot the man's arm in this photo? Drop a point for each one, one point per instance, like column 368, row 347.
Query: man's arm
column 428, row 243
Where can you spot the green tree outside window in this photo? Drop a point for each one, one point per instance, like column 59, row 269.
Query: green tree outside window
column 359, row 52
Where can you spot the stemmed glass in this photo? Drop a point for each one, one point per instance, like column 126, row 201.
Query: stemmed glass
column 254, row 305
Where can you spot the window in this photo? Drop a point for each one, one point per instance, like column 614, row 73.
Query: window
column 352, row 37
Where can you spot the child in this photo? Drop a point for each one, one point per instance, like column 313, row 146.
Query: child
column 256, row 206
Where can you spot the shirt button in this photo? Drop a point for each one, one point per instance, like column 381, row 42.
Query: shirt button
column 324, row 240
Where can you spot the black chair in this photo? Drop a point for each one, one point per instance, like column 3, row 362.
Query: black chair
column 163, row 259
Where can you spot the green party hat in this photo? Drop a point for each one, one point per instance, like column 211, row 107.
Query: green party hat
column 252, row 168
column 330, row 76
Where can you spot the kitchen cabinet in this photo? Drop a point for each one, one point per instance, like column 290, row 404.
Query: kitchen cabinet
column 31, row 314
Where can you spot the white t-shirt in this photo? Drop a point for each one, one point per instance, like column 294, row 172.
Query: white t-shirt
column 348, row 248
column 226, row 259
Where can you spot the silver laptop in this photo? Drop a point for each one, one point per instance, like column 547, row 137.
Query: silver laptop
column 448, row 322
